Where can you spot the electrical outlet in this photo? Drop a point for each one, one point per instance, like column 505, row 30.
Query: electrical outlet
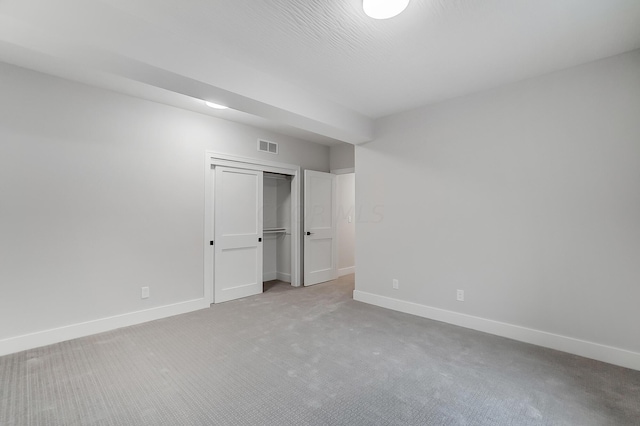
column 460, row 295
column 145, row 293
column 395, row 284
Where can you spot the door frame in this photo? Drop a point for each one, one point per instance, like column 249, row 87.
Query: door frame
column 213, row 159
column 339, row 172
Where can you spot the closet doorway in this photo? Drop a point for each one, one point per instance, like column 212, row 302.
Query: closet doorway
column 276, row 221
column 252, row 226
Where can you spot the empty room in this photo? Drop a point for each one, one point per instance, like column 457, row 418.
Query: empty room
column 321, row 212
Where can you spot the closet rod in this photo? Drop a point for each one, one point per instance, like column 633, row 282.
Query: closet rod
column 275, row 231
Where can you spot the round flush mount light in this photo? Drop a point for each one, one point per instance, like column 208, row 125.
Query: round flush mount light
column 214, row 105
column 384, row 9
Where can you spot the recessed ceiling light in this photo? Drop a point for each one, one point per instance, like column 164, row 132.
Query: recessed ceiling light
column 214, row 105
column 384, row 9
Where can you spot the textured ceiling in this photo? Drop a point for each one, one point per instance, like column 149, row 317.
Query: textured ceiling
column 436, row 49
column 319, row 66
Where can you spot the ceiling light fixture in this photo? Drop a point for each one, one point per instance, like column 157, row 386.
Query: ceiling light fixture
column 384, row 9
column 214, row 105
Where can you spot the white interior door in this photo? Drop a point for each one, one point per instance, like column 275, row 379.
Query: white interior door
column 238, row 233
column 320, row 254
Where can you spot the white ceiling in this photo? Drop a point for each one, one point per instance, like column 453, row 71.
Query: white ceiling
column 319, row 66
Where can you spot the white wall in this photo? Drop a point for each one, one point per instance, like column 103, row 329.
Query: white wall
column 527, row 197
column 342, row 157
column 101, row 194
column 346, row 229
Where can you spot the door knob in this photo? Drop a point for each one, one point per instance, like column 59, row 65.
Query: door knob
column 309, row 233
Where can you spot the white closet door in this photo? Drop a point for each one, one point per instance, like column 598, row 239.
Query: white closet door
column 320, row 254
column 238, row 233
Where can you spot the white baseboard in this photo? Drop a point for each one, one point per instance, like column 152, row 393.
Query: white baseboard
column 283, row 277
column 74, row 331
column 571, row 345
column 269, row 276
column 346, row 271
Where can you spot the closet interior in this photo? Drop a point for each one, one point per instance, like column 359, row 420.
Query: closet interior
column 276, row 227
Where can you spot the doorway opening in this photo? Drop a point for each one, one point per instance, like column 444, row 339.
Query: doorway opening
column 346, row 222
column 276, row 220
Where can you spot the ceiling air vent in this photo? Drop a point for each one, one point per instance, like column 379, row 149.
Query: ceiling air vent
column 266, row 146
